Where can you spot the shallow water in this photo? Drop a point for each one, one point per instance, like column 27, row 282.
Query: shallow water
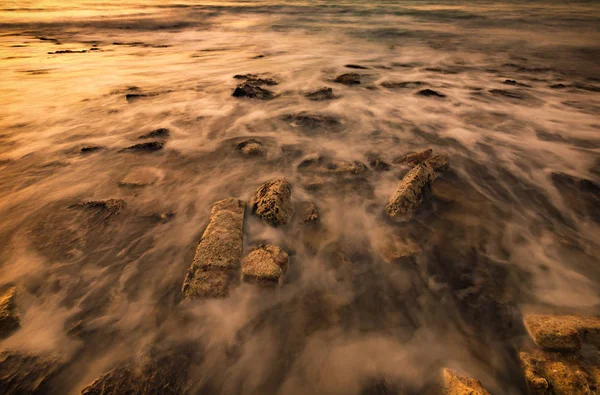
column 498, row 236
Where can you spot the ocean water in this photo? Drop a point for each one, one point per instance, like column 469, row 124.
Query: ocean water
column 509, row 229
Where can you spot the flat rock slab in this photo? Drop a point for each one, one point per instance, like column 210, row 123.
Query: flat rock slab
column 455, row 384
column 9, row 319
column 266, row 265
column 410, row 191
column 219, row 252
column 272, row 202
column 563, row 332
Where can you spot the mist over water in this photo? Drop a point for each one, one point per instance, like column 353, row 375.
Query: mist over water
column 502, row 233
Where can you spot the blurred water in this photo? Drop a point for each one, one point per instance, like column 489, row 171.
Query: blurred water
column 499, row 236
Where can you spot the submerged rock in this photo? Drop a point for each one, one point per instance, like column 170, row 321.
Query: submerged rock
column 402, row 84
column 251, row 147
column 455, row 384
column 158, row 133
column 9, row 319
column 410, row 191
column 147, row 147
column 140, row 177
column 108, row 208
column 313, row 122
column 310, row 214
column 255, row 80
column 508, row 94
column 414, row 158
column 430, row 93
column 348, row 79
column 219, row 252
column 91, row 148
column 272, row 202
column 355, row 66
column 265, row 265
column 377, row 163
column 321, row 94
column 26, row 373
column 253, row 92
column 563, row 332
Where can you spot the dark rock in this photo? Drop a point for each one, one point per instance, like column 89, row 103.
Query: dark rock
column 158, row 133
column 414, row 158
column 377, row 163
column 508, row 94
column 558, row 86
column 515, row 83
column 255, row 80
column 439, row 162
column 356, row 66
column 66, row 51
column 321, row 94
column 455, row 384
column 402, row 84
column 311, row 161
column 140, row 177
column 131, row 97
column 253, row 92
column 108, row 208
column 310, row 214
column 563, row 332
column 410, row 191
column 311, row 122
column 9, row 319
column 251, row 147
column 265, row 265
column 272, row 202
column 348, row 79
column 147, row 147
column 91, row 148
column 430, row 93
column 26, row 373
column 218, row 254
column 585, row 87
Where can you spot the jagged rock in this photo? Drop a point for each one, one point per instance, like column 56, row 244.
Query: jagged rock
column 536, row 383
column 455, row 384
column 430, row 93
column 251, row 147
column 564, row 332
column 410, row 191
column 219, row 252
column 414, row 158
column 321, row 94
column 147, row 147
column 158, row 133
column 439, row 162
column 253, row 92
column 91, row 148
column 348, row 79
column 265, row 265
column 272, row 202
column 255, row 80
column 26, row 373
column 9, row 319
column 377, row 163
column 156, row 376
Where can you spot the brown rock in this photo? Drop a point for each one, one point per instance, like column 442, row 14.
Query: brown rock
column 272, row 202
column 454, row 384
column 253, row 92
column 410, row 191
column 439, row 162
column 310, row 214
column 566, row 377
column 251, row 147
column 321, row 94
column 414, row 158
column 348, row 79
column 26, row 373
column 219, row 252
column 9, row 319
column 266, row 265
column 564, row 332
column 536, row 383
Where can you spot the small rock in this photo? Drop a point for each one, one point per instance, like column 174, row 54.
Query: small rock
column 439, row 162
column 251, row 147
column 348, row 79
column 310, row 213
column 255, row 80
column 147, row 147
column 91, row 148
column 140, row 177
column 356, row 66
column 131, row 97
column 9, row 319
column 158, row 133
column 558, row 86
column 508, row 94
column 377, row 163
column 253, row 92
column 563, row 332
column 402, row 84
column 266, row 265
column 430, row 93
column 410, row 191
column 515, row 83
column 66, row 51
column 414, row 158
column 311, row 121
column 219, row 252
column 272, row 202
column 455, row 384
column 321, row 94
column 108, row 208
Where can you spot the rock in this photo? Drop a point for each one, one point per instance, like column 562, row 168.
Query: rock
column 394, row 249
column 564, row 332
column 272, row 202
column 310, row 214
column 410, row 191
column 251, row 147
column 319, row 164
column 321, row 94
column 377, row 163
column 253, row 92
column 255, row 80
column 9, row 319
column 348, row 79
column 355, row 66
column 438, row 162
column 91, row 148
column 140, row 177
column 26, row 373
column 536, row 383
column 265, row 265
column 402, row 84
column 107, row 208
column 312, row 122
column 430, row 93
column 508, row 94
column 558, row 86
column 131, row 97
column 515, row 83
column 147, row 147
column 414, row 158
column 158, row 133
column 454, row 384
column 219, row 252
column 66, row 51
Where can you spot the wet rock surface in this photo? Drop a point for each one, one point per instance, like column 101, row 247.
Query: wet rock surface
column 9, row 318
column 158, row 133
column 321, row 94
column 565, row 333
column 266, row 265
column 219, row 252
column 410, row 191
column 88, row 149
column 414, row 158
column 348, row 79
column 150, row 146
column 456, row 384
column 253, row 92
column 255, row 80
column 272, row 202
column 430, row 93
